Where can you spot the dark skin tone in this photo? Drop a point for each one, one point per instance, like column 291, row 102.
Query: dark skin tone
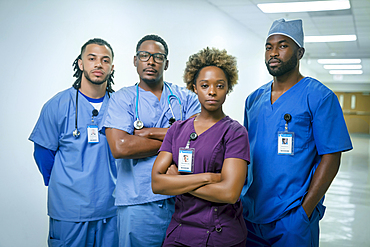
column 280, row 49
column 147, row 141
column 211, row 87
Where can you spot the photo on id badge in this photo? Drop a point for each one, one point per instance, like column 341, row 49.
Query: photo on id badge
column 92, row 134
column 185, row 163
column 285, row 143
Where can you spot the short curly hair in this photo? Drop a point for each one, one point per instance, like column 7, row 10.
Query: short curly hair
column 153, row 37
column 211, row 57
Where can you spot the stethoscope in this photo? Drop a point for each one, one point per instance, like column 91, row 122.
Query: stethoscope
column 76, row 132
column 138, row 124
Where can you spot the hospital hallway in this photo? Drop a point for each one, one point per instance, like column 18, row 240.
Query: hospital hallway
column 347, row 217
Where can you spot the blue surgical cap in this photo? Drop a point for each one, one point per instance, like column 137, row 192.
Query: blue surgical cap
column 290, row 28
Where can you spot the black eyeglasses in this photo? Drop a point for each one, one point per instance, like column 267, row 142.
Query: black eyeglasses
column 144, row 56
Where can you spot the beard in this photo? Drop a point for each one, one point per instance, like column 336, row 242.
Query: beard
column 97, row 81
column 284, row 66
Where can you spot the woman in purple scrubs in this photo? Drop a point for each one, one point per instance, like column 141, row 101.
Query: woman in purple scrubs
column 203, row 160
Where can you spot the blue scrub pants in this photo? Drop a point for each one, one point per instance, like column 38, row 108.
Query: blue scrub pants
column 97, row 233
column 294, row 229
column 144, row 224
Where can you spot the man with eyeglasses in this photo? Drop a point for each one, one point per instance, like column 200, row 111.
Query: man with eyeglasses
column 136, row 122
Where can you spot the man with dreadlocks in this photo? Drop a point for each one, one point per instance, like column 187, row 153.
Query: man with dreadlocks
column 74, row 158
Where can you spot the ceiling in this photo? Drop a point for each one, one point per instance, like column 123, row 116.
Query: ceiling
column 353, row 21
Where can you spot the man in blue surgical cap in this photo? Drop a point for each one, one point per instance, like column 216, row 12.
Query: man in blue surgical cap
column 297, row 133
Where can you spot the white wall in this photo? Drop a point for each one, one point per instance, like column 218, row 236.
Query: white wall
column 41, row 39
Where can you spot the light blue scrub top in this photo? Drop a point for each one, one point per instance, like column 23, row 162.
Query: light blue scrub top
column 83, row 177
column 134, row 175
column 279, row 182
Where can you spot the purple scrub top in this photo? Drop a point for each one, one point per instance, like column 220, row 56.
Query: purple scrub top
column 197, row 222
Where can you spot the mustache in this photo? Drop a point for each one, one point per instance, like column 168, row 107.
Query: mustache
column 100, row 70
column 273, row 58
column 150, row 69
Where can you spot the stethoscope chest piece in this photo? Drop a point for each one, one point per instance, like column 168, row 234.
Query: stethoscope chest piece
column 76, row 133
column 138, row 124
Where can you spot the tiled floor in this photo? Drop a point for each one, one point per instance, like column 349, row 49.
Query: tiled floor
column 347, row 218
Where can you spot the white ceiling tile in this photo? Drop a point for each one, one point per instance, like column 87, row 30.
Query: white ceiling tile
column 353, row 21
column 360, row 3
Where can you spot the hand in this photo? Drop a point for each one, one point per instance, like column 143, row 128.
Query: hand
column 172, row 170
column 306, row 210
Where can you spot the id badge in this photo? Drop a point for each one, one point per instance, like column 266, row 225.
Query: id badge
column 286, row 143
column 186, row 160
column 92, row 134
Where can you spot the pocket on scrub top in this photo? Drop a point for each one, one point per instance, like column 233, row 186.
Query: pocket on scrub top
column 56, row 243
column 301, row 126
column 171, row 229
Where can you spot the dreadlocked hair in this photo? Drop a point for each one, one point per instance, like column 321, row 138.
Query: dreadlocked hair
column 211, row 57
column 78, row 72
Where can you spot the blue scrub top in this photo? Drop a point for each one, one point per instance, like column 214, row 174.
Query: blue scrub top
column 83, row 177
column 134, row 175
column 277, row 183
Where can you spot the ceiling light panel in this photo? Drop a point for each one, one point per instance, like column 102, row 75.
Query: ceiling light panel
column 356, row 66
column 338, row 61
column 345, row 72
column 330, row 38
column 304, row 6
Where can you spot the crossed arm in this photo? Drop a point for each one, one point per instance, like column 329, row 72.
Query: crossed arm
column 324, row 175
column 143, row 143
column 224, row 187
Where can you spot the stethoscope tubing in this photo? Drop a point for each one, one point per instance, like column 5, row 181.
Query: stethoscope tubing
column 76, row 132
column 168, row 100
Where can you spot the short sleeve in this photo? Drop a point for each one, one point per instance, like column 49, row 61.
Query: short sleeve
column 167, row 141
column 192, row 106
column 119, row 114
column 237, row 143
column 329, row 128
column 245, row 115
column 47, row 129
